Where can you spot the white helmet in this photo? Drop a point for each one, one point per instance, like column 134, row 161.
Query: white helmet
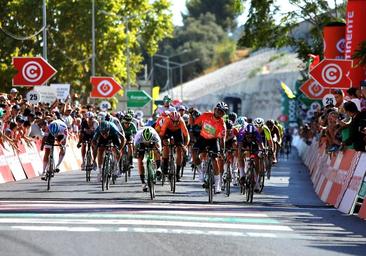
column 258, row 122
column 89, row 114
column 102, row 116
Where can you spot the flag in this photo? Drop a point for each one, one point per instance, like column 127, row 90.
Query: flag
column 155, row 95
column 287, row 90
column 313, row 61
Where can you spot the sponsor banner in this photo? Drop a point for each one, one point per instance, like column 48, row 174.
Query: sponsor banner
column 5, row 172
column 334, row 41
column 355, row 35
column 13, row 162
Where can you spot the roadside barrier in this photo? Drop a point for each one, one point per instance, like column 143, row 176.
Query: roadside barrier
column 28, row 161
column 339, row 178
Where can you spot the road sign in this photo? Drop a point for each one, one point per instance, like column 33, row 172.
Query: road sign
column 329, row 99
column 104, row 87
column 313, row 90
column 32, row 71
column 137, row 99
column 333, row 73
column 105, row 105
column 33, row 97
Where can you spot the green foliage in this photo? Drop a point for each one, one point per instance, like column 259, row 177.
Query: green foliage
column 261, row 29
column 225, row 11
column 130, row 26
column 202, row 38
column 360, row 54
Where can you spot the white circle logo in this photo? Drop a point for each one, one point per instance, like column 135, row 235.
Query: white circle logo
column 32, row 71
column 332, row 73
column 341, row 45
column 105, row 87
column 316, row 89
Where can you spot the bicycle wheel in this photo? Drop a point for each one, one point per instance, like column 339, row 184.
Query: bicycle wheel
column 150, row 179
column 228, row 180
column 269, row 166
column 49, row 172
column 194, row 170
column 182, row 167
column 88, row 166
column 261, row 182
column 210, row 181
column 172, row 174
column 125, row 166
column 105, row 172
column 250, row 186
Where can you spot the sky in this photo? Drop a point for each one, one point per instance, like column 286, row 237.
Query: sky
column 179, row 6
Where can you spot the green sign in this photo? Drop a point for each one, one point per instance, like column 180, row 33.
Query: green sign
column 137, row 99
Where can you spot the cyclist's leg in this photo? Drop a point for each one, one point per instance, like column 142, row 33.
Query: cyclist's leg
column 141, row 169
column 130, row 150
column 178, row 140
column 165, row 157
column 62, row 152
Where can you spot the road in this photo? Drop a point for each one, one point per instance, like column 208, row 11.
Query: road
column 77, row 218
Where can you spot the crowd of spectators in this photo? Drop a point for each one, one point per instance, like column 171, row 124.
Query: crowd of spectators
column 340, row 126
column 21, row 121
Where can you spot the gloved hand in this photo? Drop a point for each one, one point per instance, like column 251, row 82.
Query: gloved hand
column 78, row 145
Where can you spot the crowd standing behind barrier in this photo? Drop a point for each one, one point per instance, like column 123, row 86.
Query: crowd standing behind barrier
column 333, row 147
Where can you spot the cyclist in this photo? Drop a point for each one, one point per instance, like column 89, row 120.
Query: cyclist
column 213, row 130
column 276, row 137
column 144, row 138
column 130, row 130
column 167, row 105
column 231, row 148
column 240, row 122
column 175, row 127
column 88, row 126
column 105, row 133
column 55, row 131
column 249, row 140
column 265, row 133
column 232, row 117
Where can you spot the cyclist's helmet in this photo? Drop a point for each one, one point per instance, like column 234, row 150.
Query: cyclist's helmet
column 167, row 99
column 102, row 115
column 270, row 123
column 131, row 112
column 105, row 126
column 89, row 114
column 232, row 116
column 258, row 122
column 240, row 121
column 185, row 117
column 182, row 107
column 174, row 116
column 127, row 118
column 139, row 114
column 222, row 106
column 147, row 135
column 250, row 129
column 54, row 128
column 229, row 124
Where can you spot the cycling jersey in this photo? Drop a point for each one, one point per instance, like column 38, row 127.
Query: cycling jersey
column 61, row 136
column 62, row 128
column 162, row 109
column 87, row 130
column 130, row 131
column 266, row 133
column 116, row 122
column 114, row 136
column 168, row 124
column 242, row 136
column 139, row 140
column 211, row 127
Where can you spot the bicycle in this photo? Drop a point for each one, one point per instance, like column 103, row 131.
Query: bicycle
column 262, row 173
column 171, row 166
column 50, row 169
column 107, row 168
column 227, row 175
column 124, row 164
column 268, row 162
column 88, row 161
column 194, row 170
column 150, row 171
column 250, row 177
column 209, row 176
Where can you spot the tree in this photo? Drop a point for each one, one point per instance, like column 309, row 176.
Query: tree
column 135, row 25
column 261, row 30
column 225, row 11
column 204, row 39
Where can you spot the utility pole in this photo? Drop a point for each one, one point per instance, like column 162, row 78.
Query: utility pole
column 44, row 30
column 93, row 39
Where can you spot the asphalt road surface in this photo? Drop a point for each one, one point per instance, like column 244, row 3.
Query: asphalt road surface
column 77, row 218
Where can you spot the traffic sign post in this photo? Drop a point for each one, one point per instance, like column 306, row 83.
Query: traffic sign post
column 33, row 97
column 137, row 99
column 105, row 105
column 32, row 71
column 329, row 99
column 104, row 87
column 333, row 73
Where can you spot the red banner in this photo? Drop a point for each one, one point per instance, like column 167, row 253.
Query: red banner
column 334, row 41
column 355, row 34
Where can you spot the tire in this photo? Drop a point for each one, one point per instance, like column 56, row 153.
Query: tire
column 261, row 182
column 210, row 184
column 172, row 174
column 88, row 165
column 250, row 187
column 151, row 186
column 49, row 174
column 105, row 173
column 194, row 170
column 150, row 180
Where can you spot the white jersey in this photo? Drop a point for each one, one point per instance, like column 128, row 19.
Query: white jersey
column 161, row 109
column 62, row 125
column 138, row 140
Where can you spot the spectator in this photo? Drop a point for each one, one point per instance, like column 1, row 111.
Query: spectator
column 354, row 95
column 357, row 127
column 339, row 97
column 363, row 95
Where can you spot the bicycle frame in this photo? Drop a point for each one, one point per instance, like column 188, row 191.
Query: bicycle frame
column 108, row 163
column 150, row 172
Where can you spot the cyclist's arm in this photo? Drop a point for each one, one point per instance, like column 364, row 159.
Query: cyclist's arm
column 185, row 132
column 164, row 127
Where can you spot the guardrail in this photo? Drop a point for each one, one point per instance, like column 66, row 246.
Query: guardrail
column 338, row 179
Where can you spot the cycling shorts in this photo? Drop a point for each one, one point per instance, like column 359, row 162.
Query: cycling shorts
column 202, row 144
column 177, row 136
column 50, row 140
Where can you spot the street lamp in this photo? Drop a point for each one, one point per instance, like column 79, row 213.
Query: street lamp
column 180, row 66
column 167, row 59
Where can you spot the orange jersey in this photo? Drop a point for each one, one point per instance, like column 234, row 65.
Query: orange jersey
column 212, row 128
column 168, row 124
